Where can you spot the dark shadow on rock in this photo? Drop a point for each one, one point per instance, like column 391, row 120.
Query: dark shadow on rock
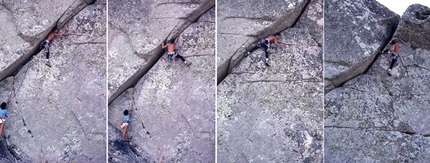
column 128, row 151
column 11, row 154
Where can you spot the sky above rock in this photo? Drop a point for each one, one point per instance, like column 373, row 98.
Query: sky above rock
column 400, row 6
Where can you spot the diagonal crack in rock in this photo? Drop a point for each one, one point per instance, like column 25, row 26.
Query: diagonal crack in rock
column 15, row 67
column 287, row 20
column 158, row 52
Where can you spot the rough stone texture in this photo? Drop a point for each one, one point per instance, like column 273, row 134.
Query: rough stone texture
column 5, row 155
column 121, row 151
column 8, row 152
column 243, row 22
column 374, row 146
column 13, row 46
column 23, row 24
column 138, row 27
column 34, row 17
column 414, row 22
column 274, row 114
column 57, row 114
column 381, row 118
column 313, row 20
column 354, row 32
column 250, row 22
column 174, row 119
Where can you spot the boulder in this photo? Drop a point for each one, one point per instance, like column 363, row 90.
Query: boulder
column 57, row 113
column 414, row 23
column 276, row 107
column 354, row 33
column 173, row 116
column 13, row 45
column 386, row 114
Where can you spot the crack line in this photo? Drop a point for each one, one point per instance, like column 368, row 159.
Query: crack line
column 199, row 55
column 282, row 81
column 263, row 18
column 189, row 125
column 80, row 43
column 227, row 33
column 180, row 3
column 83, row 130
column 416, row 65
column 374, row 128
column 389, row 93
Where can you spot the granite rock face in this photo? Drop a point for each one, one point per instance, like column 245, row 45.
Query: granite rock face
column 57, row 113
column 122, row 151
column 13, row 46
column 173, row 104
column 414, row 22
column 376, row 117
column 136, row 28
column 24, row 24
column 9, row 153
column 244, row 22
column 274, row 114
column 354, row 31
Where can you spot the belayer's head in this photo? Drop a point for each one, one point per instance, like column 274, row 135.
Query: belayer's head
column 125, row 112
column 3, row 106
column 393, row 41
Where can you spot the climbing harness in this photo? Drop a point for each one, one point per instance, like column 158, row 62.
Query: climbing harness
column 44, row 44
column 394, row 56
column 124, row 124
column 171, row 56
column 264, row 41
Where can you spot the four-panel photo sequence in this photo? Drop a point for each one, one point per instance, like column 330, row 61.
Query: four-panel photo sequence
column 206, row 81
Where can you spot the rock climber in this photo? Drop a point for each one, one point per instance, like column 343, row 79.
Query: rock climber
column 3, row 116
column 172, row 53
column 394, row 54
column 265, row 43
column 125, row 123
column 47, row 42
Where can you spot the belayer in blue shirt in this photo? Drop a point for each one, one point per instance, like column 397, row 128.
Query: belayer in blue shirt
column 125, row 123
column 3, row 117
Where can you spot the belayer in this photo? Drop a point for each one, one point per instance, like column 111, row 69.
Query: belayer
column 3, row 117
column 125, row 123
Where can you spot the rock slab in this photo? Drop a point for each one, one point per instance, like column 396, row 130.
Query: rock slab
column 354, row 33
column 375, row 117
column 174, row 119
column 274, row 114
column 57, row 113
